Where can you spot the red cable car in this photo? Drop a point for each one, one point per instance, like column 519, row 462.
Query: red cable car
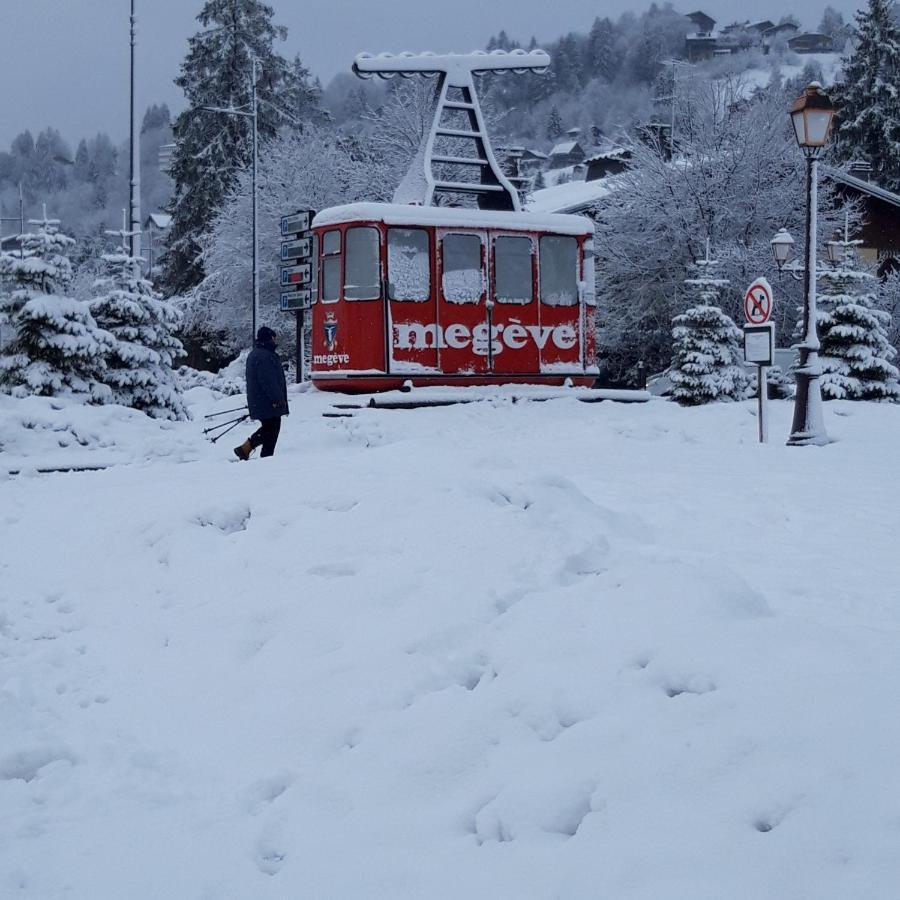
column 448, row 296
column 451, row 284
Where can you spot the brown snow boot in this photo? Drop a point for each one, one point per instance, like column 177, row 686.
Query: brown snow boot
column 244, row 451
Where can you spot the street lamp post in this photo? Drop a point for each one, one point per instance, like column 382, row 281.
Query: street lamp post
column 252, row 115
column 135, row 164
column 811, row 115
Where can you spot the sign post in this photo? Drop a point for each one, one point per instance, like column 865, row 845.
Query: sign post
column 297, row 275
column 759, row 344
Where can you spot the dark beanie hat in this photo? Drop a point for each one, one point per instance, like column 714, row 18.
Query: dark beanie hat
column 265, row 335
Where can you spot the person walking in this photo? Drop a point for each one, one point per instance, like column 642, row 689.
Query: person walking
column 266, row 394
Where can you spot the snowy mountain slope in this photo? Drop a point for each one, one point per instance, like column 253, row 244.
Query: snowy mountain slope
column 499, row 651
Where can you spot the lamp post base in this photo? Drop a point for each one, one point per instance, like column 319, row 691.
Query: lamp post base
column 808, row 428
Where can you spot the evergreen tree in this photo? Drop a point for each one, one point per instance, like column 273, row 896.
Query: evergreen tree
column 868, row 99
column 57, row 347
column 707, row 362
column 554, row 124
column 211, row 148
column 601, row 58
column 856, row 355
column 139, row 362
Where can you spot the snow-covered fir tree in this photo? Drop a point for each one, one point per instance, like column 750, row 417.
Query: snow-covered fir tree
column 707, row 362
column 57, row 347
column 211, row 148
column 868, row 98
column 139, row 362
column 856, row 354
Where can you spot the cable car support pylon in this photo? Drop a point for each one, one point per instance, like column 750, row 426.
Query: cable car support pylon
column 455, row 160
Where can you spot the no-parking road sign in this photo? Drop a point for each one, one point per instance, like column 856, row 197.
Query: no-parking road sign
column 758, row 302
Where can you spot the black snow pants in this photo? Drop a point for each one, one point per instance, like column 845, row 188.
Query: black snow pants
column 267, row 435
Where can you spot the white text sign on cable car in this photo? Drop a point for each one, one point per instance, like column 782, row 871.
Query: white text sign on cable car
column 758, row 302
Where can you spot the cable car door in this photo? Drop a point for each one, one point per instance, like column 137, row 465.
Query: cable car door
column 562, row 328
column 462, row 293
column 412, row 307
column 348, row 336
column 516, row 333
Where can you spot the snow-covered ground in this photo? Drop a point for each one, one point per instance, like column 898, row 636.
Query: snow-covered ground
column 533, row 650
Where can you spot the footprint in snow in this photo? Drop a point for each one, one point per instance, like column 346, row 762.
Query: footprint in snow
column 332, row 570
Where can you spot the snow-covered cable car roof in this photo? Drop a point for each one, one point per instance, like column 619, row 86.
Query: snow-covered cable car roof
column 453, row 217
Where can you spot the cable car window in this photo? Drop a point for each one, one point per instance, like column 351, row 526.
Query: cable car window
column 462, row 280
column 559, row 270
column 513, row 282
column 331, row 267
column 362, row 269
column 409, row 264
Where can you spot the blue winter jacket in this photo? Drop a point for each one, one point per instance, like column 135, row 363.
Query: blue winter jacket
column 266, row 384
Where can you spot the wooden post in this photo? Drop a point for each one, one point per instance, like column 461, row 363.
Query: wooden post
column 762, row 390
column 299, row 364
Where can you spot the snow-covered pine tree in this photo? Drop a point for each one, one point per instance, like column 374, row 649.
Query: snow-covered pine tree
column 707, row 361
column 554, row 124
column 139, row 362
column 867, row 97
column 856, row 354
column 211, row 148
column 57, row 347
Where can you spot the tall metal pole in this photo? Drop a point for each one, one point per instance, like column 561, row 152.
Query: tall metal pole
column 254, row 112
column 809, row 425
column 135, row 181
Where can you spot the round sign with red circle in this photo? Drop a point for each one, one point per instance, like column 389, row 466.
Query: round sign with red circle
column 758, row 302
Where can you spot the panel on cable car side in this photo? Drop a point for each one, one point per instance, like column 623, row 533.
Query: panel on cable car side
column 462, row 293
column 516, row 334
column 348, row 332
column 560, row 305
column 411, row 300
column 589, row 302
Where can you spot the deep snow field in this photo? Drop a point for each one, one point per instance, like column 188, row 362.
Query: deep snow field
column 533, row 650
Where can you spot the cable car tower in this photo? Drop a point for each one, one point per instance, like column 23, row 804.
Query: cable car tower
column 455, row 160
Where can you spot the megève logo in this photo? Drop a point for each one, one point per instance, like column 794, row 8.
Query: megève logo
column 514, row 336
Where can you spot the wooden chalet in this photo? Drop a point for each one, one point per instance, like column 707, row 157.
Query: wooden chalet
column 567, row 153
column 810, row 42
column 880, row 232
column 610, row 162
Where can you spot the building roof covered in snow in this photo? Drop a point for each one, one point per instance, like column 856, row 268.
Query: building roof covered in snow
column 158, row 220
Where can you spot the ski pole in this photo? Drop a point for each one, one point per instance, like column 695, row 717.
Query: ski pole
column 223, row 424
column 224, row 412
column 234, row 425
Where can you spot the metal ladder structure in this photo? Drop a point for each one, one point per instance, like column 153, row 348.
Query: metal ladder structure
column 470, row 168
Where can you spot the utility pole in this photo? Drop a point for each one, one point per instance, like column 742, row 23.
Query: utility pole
column 135, row 181
column 252, row 115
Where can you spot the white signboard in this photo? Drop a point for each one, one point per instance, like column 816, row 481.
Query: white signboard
column 291, row 300
column 299, row 249
column 296, row 223
column 296, row 275
column 759, row 344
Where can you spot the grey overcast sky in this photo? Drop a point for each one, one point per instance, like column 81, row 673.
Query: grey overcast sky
column 64, row 63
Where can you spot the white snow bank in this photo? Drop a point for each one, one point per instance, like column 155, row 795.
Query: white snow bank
column 488, row 651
